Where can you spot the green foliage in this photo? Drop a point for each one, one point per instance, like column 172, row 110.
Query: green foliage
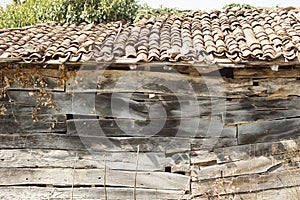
column 232, row 5
column 147, row 11
column 36, row 11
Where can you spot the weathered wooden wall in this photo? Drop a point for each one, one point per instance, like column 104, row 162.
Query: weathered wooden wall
column 49, row 119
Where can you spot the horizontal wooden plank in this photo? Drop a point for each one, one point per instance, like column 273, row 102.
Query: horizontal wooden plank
column 260, row 164
column 38, row 193
column 254, row 104
column 248, row 151
column 248, row 183
column 212, row 143
column 291, row 193
column 31, row 79
column 279, row 88
column 90, row 177
column 250, row 116
column 266, row 73
column 269, row 131
column 137, row 106
column 179, row 162
column 111, row 81
column 38, row 124
column 98, row 143
column 185, row 127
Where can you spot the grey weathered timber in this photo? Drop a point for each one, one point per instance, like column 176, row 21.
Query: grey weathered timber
column 98, row 143
column 33, row 79
column 252, row 116
column 89, row 134
column 269, row 131
column 185, row 127
column 266, row 73
column 212, row 143
column 37, row 124
column 108, row 81
column 32, row 158
column 248, row 151
column 291, row 193
column 38, row 193
column 260, row 164
column 130, row 81
column 96, row 177
column 249, row 183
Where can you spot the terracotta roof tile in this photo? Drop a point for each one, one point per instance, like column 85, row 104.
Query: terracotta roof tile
column 237, row 34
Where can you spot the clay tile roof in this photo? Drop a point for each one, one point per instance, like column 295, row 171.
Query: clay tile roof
column 236, row 34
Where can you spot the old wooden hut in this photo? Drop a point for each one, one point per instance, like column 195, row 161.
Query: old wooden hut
column 198, row 106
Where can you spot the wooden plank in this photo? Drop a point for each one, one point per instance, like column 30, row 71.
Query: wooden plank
column 31, row 79
column 185, row 127
column 273, row 89
column 212, row 143
column 100, row 105
column 278, row 88
column 136, row 106
column 24, row 158
column 254, row 104
column 250, row 116
column 248, row 183
column 268, row 131
column 5, row 61
column 203, row 158
column 101, row 143
column 276, row 194
column 112, row 81
column 260, row 164
column 248, row 151
column 28, row 124
column 266, row 73
column 291, row 193
column 38, row 193
column 89, row 177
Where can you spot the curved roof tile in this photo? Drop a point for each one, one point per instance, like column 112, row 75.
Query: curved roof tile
column 236, row 34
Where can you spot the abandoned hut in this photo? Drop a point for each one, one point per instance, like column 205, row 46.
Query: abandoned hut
column 198, row 106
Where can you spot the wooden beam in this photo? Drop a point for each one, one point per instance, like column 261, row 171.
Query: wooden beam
column 93, row 177
column 37, row 193
column 42, row 158
column 95, row 144
column 269, row 131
